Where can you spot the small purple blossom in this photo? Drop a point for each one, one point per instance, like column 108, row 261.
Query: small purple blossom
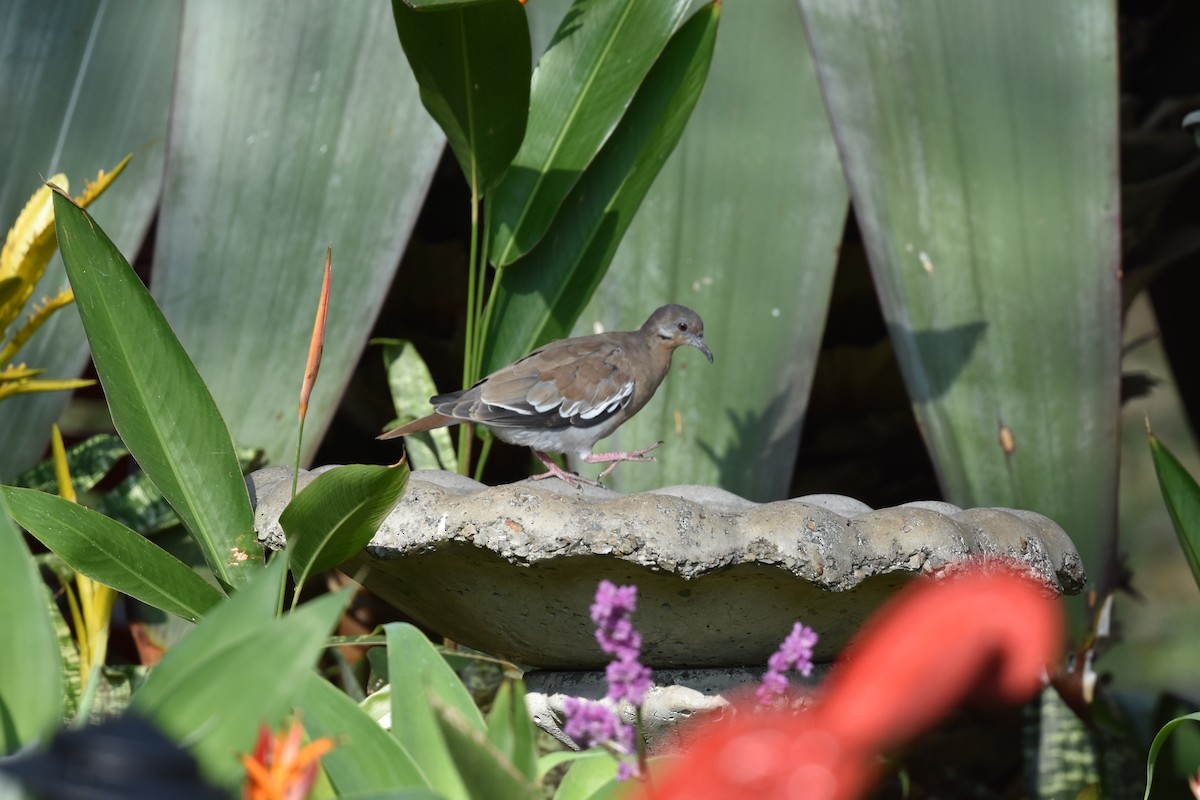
column 593, row 724
column 796, row 653
column 590, row 723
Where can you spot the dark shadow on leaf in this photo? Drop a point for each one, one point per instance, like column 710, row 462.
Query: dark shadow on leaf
column 758, row 464
column 942, row 355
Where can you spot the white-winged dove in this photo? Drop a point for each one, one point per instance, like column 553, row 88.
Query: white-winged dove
column 571, row 393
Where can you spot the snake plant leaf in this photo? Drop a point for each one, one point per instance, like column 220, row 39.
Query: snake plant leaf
column 294, row 126
column 84, row 85
column 337, row 514
column 159, row 404
column 472, row 63
column 541, row 298
column 742, row 225
column 30, row 666
column 581, row 88
column 107, row 551
column 979, row 144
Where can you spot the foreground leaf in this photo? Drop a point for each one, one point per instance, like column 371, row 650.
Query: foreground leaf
column 336, row 515
column 31, row 684
column 482, row 766
column 416, row 671
column 108, row 552
column 239, row 668
column 367, row 758
column 510, row 729
column 160, row 406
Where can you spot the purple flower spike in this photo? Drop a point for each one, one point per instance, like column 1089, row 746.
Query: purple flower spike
column 589, row 723
column 796, row 653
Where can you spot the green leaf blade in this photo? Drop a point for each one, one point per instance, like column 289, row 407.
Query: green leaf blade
column 416, row 671
column 367, row 758
column 544, row 296
column 483, row 767
column 581, row 87
column 337, row 514
column 1181, row 494
column 159, row 404
column 510, row 730
column 108, row 552
column 31, row 680
column 472, row 62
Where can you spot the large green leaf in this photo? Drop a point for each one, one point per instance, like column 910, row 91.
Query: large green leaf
column 1181, row 494
column 542, row 297
column 159, row 403
column 472, row 64
column 83, row 86
column 337, row 514
column 581, row 87
column 979, row 141
column 240, row 667
column 367, row 757
column 294, row 125
column 742, row 225
column 108, row 552
column 31, row 681
column 416, row 671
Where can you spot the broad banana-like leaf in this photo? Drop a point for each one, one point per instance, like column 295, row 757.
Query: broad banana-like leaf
column 581, row 87
column 473, row 65
column 83, row 86
column 294, row 126
column 980, row 145
column 742, row 225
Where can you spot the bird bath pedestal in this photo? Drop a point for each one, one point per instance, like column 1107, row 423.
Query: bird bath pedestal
column 512, row 570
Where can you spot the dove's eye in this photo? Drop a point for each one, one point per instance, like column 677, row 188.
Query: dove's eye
column 683, row 326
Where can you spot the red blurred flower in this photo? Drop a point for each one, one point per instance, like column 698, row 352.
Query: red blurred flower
column 280, row 768
column 987, row 632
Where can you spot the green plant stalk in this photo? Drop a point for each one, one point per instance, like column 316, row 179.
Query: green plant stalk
column 296, row 467
column 469, row 355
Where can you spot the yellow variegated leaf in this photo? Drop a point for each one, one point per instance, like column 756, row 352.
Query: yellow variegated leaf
column 18, row 372
column 27, row 250
column 30, row 386
column 30, row 242
column 39, row 316
column 93, row 189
